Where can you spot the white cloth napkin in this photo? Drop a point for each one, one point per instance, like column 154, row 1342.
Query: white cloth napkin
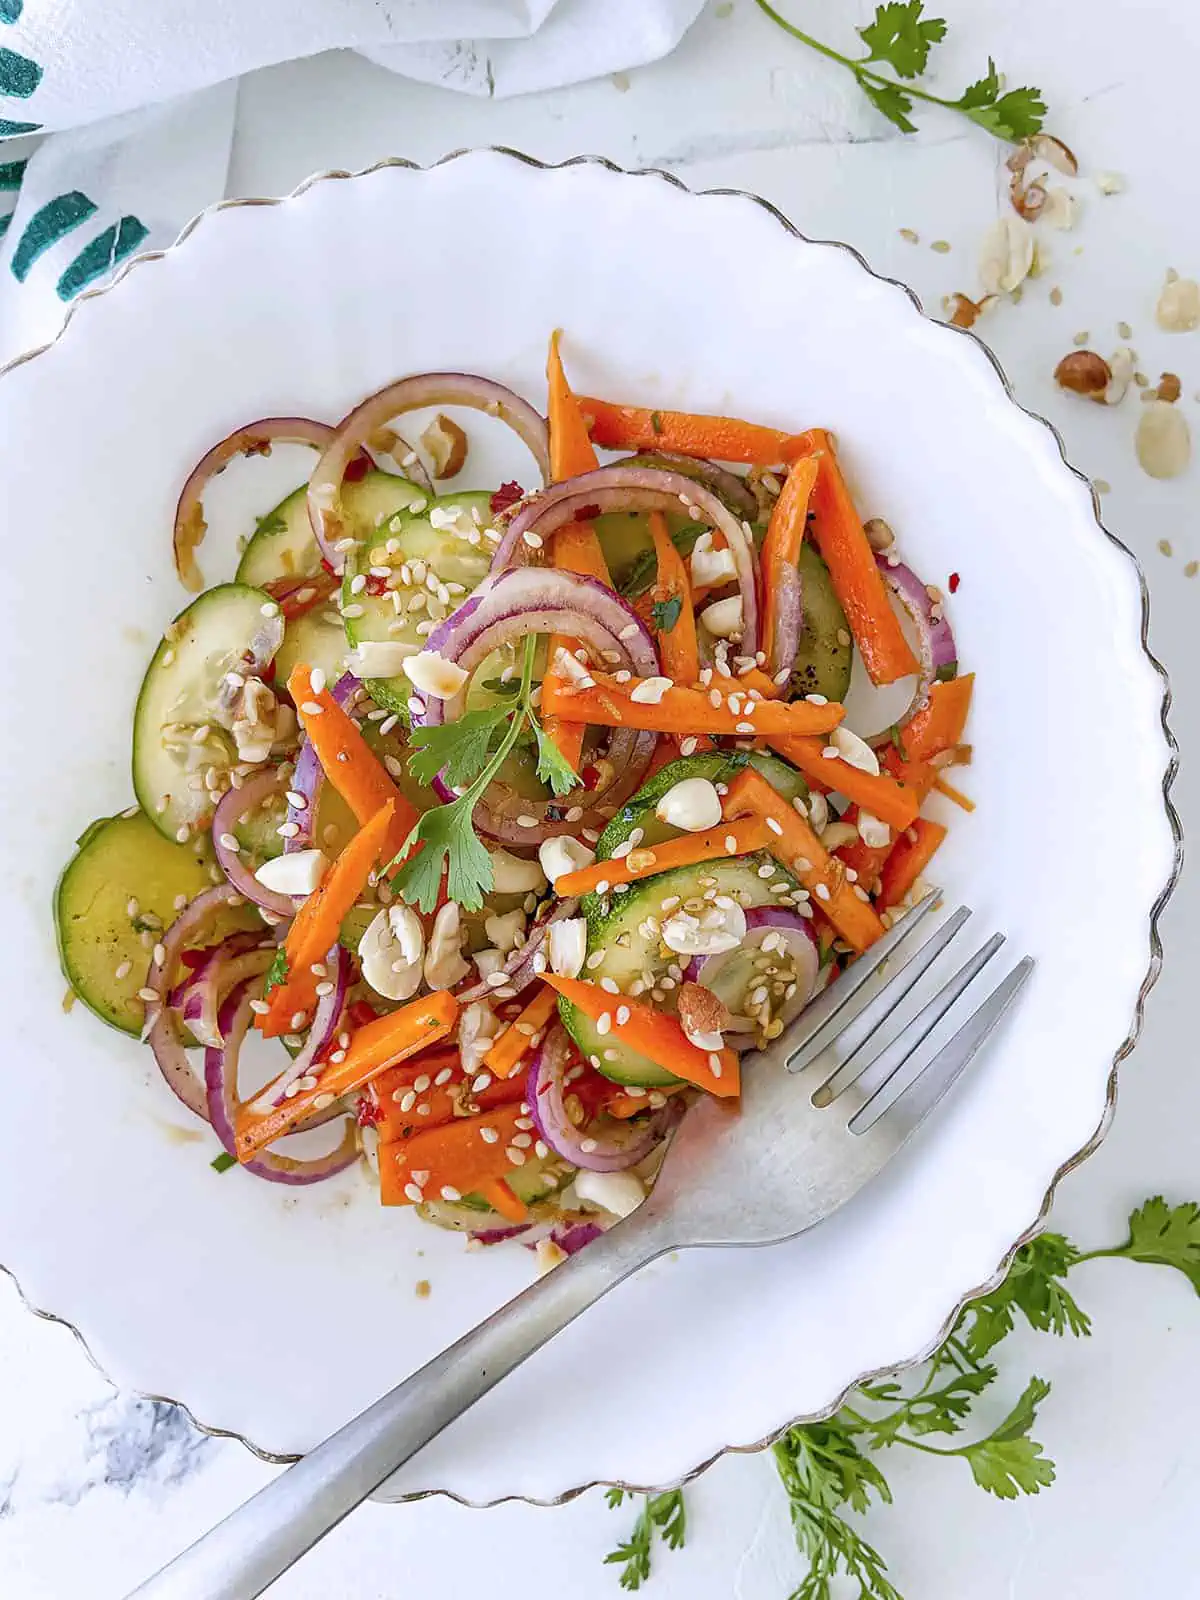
column 138, row 99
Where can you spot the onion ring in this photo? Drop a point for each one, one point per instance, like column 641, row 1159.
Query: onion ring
column 519, row 971
column 936, row 650
column 547, row 1106
column 234, row 803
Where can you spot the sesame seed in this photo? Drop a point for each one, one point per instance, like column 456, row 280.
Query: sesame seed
column 526, row 821
column 405, row 1098
column 325, row 988
column 269, row 609
column 311, row 708
column 123, row 970
column 259, row 1007
column 496, row 980
column 602, row 887
column 182, row 833
column 150, row 996
column 610, row 985
column 731, row 844
column 479, row 1084
column 533, row 540
column 517, row 1157
column 443, row 1076
column 522, row 1141
column 623, row 1015
column 489, row 1135
column 352, row 611
column 774, row 826
column 831, row 752
column 288, row 830
column 594, row 960
column 296, row 799
column 422, row 1083
column 413, row 1193
column 743, row 727
column 323, row 1101
column 822, row 891
column 714, row 1062
column 604, row 1022
column 227, row 841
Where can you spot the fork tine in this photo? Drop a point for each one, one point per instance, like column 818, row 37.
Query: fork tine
column 887, row 1061
column 918, row 1091
column 876, row 1011
column 821, row 1020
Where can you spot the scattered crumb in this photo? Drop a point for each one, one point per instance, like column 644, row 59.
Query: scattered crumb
column 68, row 1000
column 1056, row 296
column 1169, row 387
column 1191, row 569
column 1110, row 182
column 1164, row 546
column 1163, row 443
column 911, row 235
column 1081, row 339
column 1101, row 485
column 725, row 9
column 1141, row 379
column 1178, row 308
column 620, row 81
column 422, row 1288
column 1124, row 331
column 942, row 246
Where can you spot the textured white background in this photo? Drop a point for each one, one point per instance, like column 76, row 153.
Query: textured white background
column 97, row 1489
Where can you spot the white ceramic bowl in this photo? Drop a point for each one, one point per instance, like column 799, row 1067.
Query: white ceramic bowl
column 275, row 1314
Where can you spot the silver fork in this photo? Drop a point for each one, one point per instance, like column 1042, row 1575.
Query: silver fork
column 766, row 1171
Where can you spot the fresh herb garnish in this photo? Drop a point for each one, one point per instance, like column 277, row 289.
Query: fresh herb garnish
column 644, row 570
column 656, row 421
column 897, row 741
column 277, row 972
column 505, row 686
column 901, row 37
column 470, row 752
column 664, row 1514
column 666, row 613
column 828, row 1469
column 271, row 523
column 223, row 1162
column 946, row 674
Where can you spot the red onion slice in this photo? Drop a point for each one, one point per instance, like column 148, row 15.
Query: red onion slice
column 800, row 947
column 573, row 1236
column 231, row 963
column 309, row 776
column 325, row 1022
column 161, row 1030
column 936, row 650
column 410, row 394
column 544, row 1091
column 789, row 621
column 633, row 489
column 727, row 485
column 519, row 971
column 220, row 1080
column 256, row 438
column 233, row 805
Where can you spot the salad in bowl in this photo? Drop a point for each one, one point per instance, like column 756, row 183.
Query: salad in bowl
column 488, row 827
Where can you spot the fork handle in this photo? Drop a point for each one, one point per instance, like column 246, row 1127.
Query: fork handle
column 259, row 1541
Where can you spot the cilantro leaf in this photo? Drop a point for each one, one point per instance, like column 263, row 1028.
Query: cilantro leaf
column 458, row 750
column 1034, row 1288
column 664, row 1514
column 1008, row 1462
column 271, row 523
column 666, row 613
column 277, row 972
column 552, row 766
column 223, row 1162
column 508, row 687
column 985, row 92
column 656, row 421
column 1165, row 1236
column 822, row 1469
column 450, row 841
column 891, row 100
column 900, row 36
column 1017, row 115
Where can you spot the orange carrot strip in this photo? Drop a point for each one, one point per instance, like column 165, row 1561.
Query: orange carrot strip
column 941, row 721
column 576, row 547
column 853, row 570
column 877, row 793
column 781, row 547
column 908, row 860
column 372, row 1048
column 864, row 859
column 951, row 793
column 622, row 1104
column 456, row 1155
column 918, row 776
column 655, row 1034
column 678, row 646
column 396, row 1116
column 729, row 839
column 684, row 711
column 315, row 927
column 501, row 1198
column 348, row 761
column 617, row 427
column 514, row 1044
column 797, row 847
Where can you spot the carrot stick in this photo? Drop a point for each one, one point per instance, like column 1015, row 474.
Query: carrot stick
column 684, row 711
column 348, row 761
column 653, row 1033
column 913, row 852
column 940, row 723
column 678, row 647
column 617, row 427
column 730, row 839
column 501, row 1198
column 315, row 927
column 797, row 847
column 515, row 1043
column 576, row 547
column 951, row 793
column 853, row 570
column 918, row 776
column 372, row 1048
column 781, row 547
column 880, row 794
column 457, row 1156
column 624, row 1105
column 400, row 1108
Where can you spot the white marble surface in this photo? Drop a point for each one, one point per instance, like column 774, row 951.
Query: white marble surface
column 97, row 1489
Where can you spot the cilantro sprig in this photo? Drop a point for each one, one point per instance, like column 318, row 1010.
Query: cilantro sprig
column 829, row 1470
column 901, row 36
column 468, row 753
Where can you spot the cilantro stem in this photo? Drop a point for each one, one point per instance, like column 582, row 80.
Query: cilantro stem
column 856, row 64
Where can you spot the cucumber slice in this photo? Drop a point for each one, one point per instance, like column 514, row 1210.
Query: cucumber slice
column 629, row 952
column 117, row 861
column 283, row 544
column 315, row 640
column 179, row 695
column 410, row 538
column 826, row 654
